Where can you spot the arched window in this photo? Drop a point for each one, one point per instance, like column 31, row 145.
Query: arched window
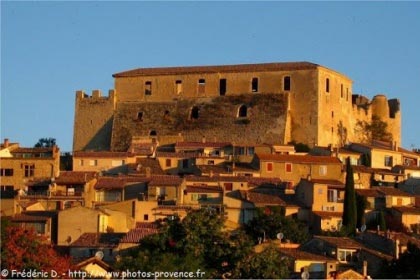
column 194, row 113
column 243, row 112
column 153, row 133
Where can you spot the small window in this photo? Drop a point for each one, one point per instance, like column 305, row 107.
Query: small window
column 342, row 91
column 178, row 87
column 81, row 163
column 168, row 162
column 332, row 114
column 222, row 87
column 210, row 162
column 323, row 170
column 269, row 166
column 153, row 133
column 140, row 116
column 146, row 217
column 93, row 162
column 194, row 113
column 288, row 167
column 327, row 85
column 332, row 195
column 148, row 88
column 242, row 112
column 286, row 83
column 185, row 163
column 7, row 172
column 388, row 161
column 254, row 84
column 228, row 186
column 201, row 86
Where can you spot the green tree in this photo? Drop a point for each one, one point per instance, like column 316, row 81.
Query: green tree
column 406, row 267
column 375, row 130
column 361, row 205
column 349, row 208
column 196, row 242
column 271, row 221
column 382, row 221
column 268, row 264
column 45, row 143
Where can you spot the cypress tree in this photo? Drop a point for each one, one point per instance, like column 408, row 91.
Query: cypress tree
column 350, row 210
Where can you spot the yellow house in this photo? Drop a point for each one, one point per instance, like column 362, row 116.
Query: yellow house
column 379, row 155
column 103, row 161
column 367, row 177
column 177, row 163
column 292, row 168
column 409, row 216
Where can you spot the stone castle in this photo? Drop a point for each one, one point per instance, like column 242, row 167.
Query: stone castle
column 273, row 103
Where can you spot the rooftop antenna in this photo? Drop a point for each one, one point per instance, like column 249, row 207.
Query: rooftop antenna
column 99, row 255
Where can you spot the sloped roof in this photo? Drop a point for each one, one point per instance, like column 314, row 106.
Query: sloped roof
column 303, row 255
column 299, row 159
column 110, row 183
column 204, row 189
column 102, row 154
column 285, row 66
column 75, row 177
column 195, row 145
column 165, row 180
column 392, row 191
column 261, row 198
column 93, row 239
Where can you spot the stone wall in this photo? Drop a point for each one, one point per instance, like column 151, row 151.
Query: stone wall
column 217, row 119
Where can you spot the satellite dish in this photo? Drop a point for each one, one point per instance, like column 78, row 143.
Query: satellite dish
column 363, row 228
column 99, row 255
column 305, row 275
column 280, row 235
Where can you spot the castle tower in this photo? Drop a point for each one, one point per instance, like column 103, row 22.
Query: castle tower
column 388, row 111
column 93, row 121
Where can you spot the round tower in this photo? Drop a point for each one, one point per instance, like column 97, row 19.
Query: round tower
column 380, row 107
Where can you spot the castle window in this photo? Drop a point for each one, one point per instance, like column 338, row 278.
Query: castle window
column 148, row 88
column 332, row 114
column 201, row 86
column 327, row 85
column 153, row 133
column 342, row 91
column 222, row 87
column 347, row 94
column 178, row 87
column 140, row 116
column 166, row 115
column 242, row 112
column 286, row 83
column 168, row 162
column 254, row 84
column 194, row 113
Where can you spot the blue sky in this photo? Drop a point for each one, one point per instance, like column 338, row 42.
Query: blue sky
column 51, row 49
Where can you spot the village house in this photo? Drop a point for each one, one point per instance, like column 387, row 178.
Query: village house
column 102, row 161
column 292, row 168
column 379, row 154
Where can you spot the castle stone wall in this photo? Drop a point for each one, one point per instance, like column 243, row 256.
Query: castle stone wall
column 217, row 119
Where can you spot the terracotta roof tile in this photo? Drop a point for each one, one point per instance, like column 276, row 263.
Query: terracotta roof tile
column 165, row 180
column 137, row 234
column 176, row 155
column 75, row 177
column 302, row 255
column 299, row 159
column 340, row 242
column 392, row 191
column 195, row 145
column 260, row 198
column 192, row 178
column 407, row 209
column 285, row 66
column 102, row 154
column 110, row 183
column 369, row 192
column 93, row 239
column 204, row 189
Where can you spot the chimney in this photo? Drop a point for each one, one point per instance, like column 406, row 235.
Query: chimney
column 6, row 142
column 365, row 268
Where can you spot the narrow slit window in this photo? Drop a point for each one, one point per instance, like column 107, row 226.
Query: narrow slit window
column 286, row 83
column 201, row 86
column 140, row 116
column 222, row 87
column 148, row 88
column 342, row 91
column 178, row 87
column 327, row 85
column 254, row 84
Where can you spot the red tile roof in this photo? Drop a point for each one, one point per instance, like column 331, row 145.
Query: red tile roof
column 93, row 239
column 392, row 191
column 302, row 255
column 407, row 209
column 192, row 178
column 176, row 155
column 341, row 242
column 195, row 145
column 327, row 214
column 327, row 182
column 75, row 177
column 102, row 154
column 369, row 192
column 110, row 183
column 261, row 199
column 299, row 159
column 165, row 180
column 137, row 234
column 285, row 66
column 204, row 189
